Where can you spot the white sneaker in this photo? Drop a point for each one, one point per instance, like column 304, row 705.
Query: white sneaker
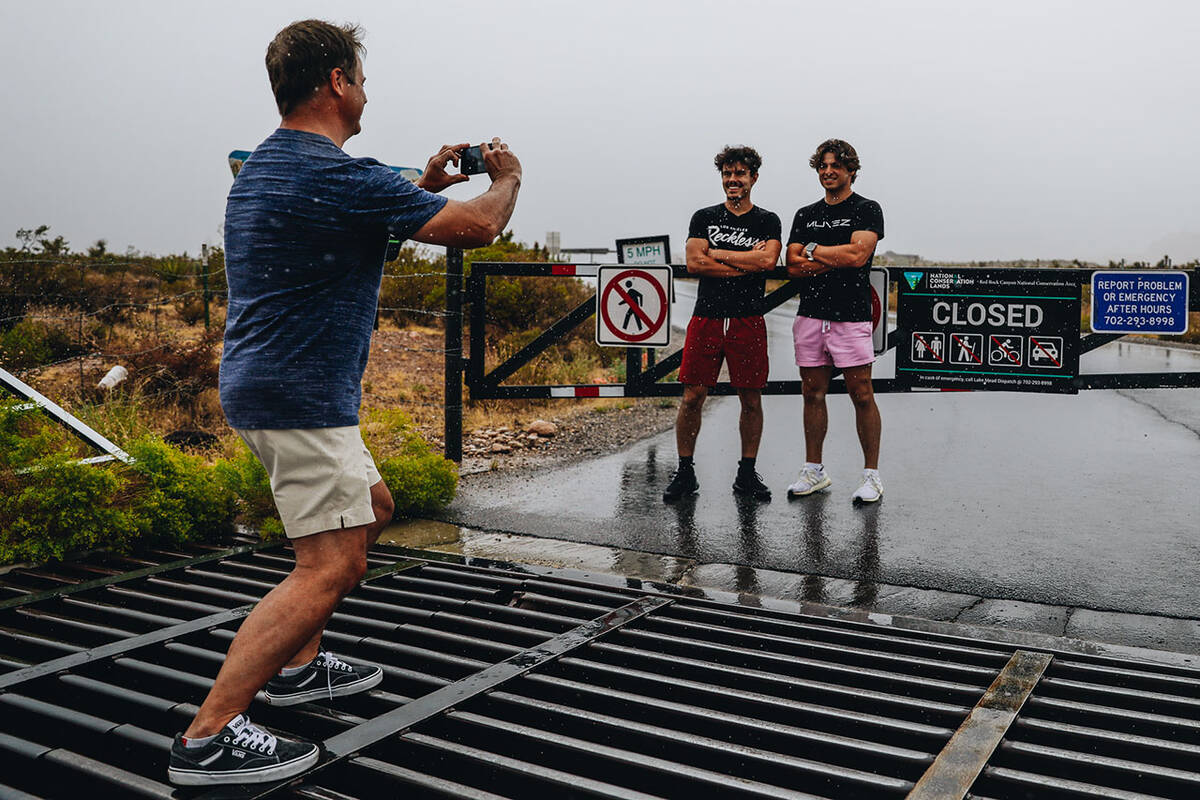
column 872, row 489
column 812, row 479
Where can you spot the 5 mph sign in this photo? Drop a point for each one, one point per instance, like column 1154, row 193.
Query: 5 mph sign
column 633, row 307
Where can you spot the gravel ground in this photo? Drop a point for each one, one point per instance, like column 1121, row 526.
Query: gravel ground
column 590, row 433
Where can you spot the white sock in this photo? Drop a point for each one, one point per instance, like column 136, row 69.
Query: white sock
column 817, row 467
column 198, row 741
column 288, row 672
column 869, row 472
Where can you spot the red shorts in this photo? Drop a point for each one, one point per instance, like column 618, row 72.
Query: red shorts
column 741, row 341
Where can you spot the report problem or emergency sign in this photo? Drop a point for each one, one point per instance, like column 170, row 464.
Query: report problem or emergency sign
column 1126, row 301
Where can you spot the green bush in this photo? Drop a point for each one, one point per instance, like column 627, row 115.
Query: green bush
column 420, row 484
column 246, row 480
column 58, row 506
column 177, row 498
column 30, row 344
column 421, row 481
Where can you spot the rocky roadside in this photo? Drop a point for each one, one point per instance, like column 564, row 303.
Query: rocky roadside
column 565, row 438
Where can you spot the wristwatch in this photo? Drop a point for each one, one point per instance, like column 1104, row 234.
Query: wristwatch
column 808, row 250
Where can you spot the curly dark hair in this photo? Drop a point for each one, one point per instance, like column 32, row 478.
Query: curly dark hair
column 301, row 56
column 842, row 151
column 734, row 153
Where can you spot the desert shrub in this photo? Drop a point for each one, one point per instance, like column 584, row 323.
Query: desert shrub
column 52, row 505
column 58, row 505
column 421, row 481
column 413, row 288
column 175, row 497
column 30, row 343
column 420, row 484
column 245, row 478
column 179, row 372
column 190, row 308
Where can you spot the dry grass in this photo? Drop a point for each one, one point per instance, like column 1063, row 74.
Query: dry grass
column 405, row 372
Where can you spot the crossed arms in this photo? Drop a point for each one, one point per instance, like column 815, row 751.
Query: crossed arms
column 830, row 256
column 717, row 263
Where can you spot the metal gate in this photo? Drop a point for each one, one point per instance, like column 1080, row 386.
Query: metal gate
column 513, row 681
column 639, row 382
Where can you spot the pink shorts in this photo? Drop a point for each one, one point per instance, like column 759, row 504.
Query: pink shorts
column 821, row 343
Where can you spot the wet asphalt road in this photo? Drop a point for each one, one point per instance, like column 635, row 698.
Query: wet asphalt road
column 1086, row 500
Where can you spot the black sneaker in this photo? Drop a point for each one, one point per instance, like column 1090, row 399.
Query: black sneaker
column 683, row 482
column 750, row 483
column 327, row 676
column 242, row 752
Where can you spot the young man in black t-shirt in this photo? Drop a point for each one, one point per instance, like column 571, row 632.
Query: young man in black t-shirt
column 730, row 246
column 831, row 246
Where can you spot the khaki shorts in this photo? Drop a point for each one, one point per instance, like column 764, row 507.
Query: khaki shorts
column 321, row 477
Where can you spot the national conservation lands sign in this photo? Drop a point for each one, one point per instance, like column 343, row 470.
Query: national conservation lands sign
column 1000, row 330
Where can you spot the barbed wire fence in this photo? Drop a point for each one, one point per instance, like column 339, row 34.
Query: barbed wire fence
column 82, row 315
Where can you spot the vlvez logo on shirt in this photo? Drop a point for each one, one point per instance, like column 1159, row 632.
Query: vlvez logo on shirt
column 737, row 238
column 830, row 223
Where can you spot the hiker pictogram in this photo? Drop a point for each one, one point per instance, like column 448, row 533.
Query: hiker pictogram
column 966, row 348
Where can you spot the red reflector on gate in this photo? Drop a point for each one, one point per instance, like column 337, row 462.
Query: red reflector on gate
column 562, row 269
column 587, row 391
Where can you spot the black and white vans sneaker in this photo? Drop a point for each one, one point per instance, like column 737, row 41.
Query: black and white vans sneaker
column 327, row 676
column 241, row 752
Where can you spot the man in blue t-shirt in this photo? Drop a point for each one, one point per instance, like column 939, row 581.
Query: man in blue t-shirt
column 306, row 228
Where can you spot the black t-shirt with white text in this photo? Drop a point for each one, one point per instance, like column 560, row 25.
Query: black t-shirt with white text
column 720, row 298
column 843, row 294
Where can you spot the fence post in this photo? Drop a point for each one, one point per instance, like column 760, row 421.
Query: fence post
column 204, row 276
column 454, row 359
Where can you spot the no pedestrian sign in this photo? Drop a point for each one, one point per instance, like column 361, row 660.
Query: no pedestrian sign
column 633, row 308
column 1014, row 330
column 1139, row 302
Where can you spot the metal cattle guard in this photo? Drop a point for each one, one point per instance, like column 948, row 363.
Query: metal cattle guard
column 484, row 385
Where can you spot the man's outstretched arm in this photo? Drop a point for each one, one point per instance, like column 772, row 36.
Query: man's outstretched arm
column 476, row 222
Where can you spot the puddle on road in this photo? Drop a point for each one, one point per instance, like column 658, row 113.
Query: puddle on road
column 446, row 538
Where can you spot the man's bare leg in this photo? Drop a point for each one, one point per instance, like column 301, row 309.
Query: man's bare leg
column 866, row 413
column 750, row 423
column 687, row 422
column 384, row 507
column 814, row 385
column 328, row 566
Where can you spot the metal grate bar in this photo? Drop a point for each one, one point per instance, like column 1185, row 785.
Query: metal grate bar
column 967, row 753
column 65, row 591
column 438, row 701
column 120, row 648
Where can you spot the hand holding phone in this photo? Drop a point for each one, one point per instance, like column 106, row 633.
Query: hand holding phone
column 470, row 161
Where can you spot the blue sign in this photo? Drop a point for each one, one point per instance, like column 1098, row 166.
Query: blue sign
column 1147, row 301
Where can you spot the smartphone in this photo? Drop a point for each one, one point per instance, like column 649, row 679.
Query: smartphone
column 470, row 161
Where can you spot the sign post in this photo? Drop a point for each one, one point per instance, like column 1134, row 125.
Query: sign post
column 996, row 330
column 879, row 304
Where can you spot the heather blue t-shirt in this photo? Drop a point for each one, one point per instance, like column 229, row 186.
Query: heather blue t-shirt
column 306, row 228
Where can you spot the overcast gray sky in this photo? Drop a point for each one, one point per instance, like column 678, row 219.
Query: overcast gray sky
column 1012, row 129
